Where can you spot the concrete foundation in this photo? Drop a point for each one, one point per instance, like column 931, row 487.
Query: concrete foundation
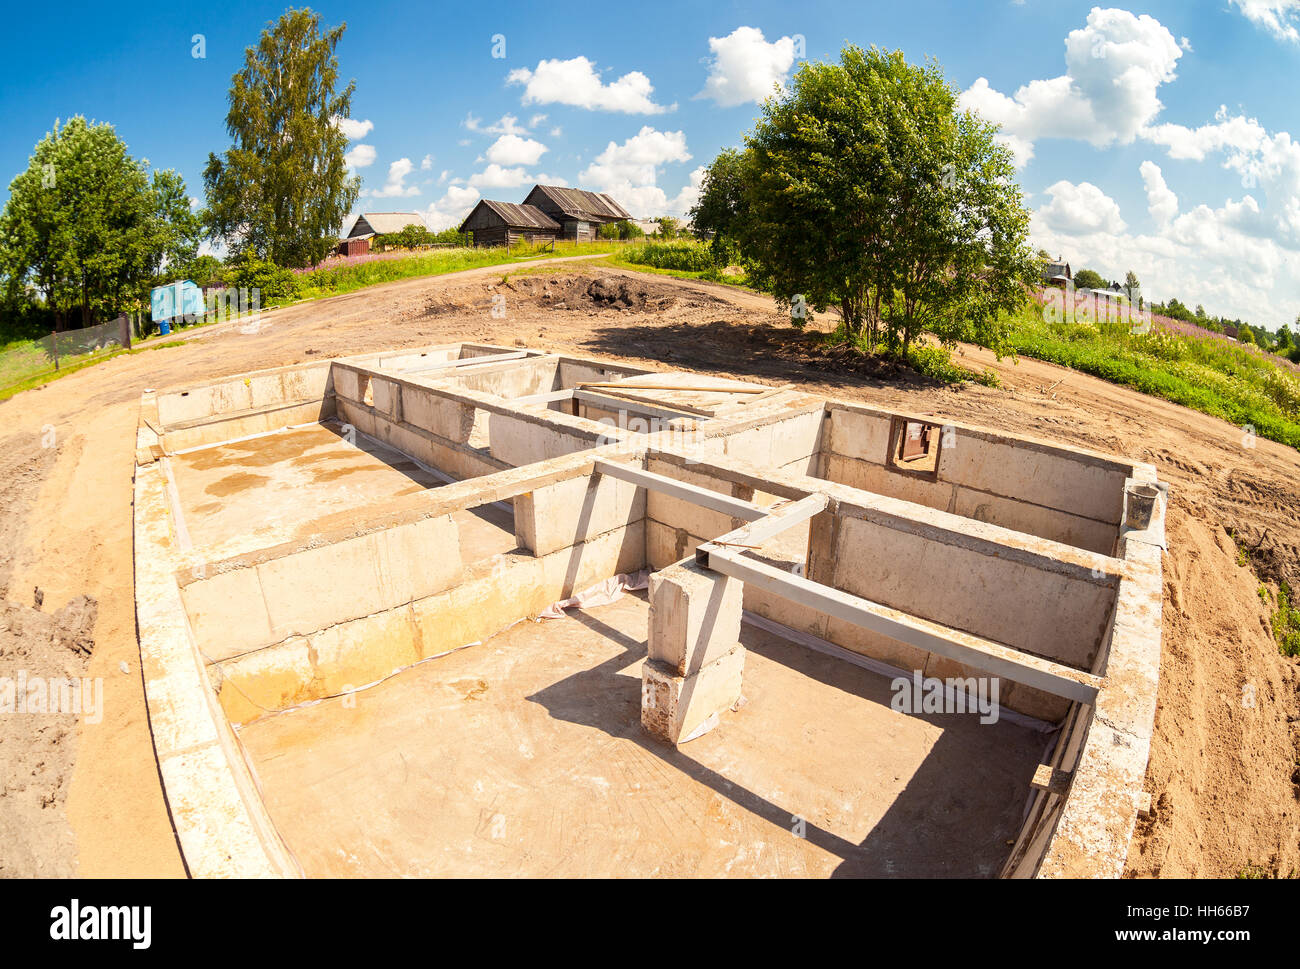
column 311, row 536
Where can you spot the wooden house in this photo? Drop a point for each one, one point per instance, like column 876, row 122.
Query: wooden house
column 505, row 224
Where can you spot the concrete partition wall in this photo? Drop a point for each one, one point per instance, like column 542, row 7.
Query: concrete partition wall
column 785, row 440
column 573, row 371
column 338, row 611
column 1064, row 494
column 242, row 406
column 519, row 437
column 509, row 379
column 1030, row 601
column 445, row 431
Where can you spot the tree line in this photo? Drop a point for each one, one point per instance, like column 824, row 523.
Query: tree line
column 88, row 230
column 1281, row 341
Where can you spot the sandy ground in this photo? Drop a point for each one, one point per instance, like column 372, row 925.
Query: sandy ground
column 1224, row 761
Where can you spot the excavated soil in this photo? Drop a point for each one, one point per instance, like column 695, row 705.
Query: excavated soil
column 1223, row 769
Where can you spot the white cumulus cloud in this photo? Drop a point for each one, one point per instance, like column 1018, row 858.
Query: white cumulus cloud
column 394, row 186
column 1278, row 17
column 1115, row 65
column 449, row 211
column 514, row 150
column 629, row 171
column 576, row 82
column 1080, row 209
column 353, row 128
column 1162, row 203
column 744, row 67
column 360, row 156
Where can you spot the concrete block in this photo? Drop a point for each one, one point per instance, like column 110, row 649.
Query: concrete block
column 354, row 654
column 387, row 398
column 1080, row 485
column 694, row 617
column 569, row 512
column 674, row 707
column 347, row 383
column 208, row 604
column 319, row 587
column 439, row 415
column 863, row 437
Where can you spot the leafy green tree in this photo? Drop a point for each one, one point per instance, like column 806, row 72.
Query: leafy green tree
column 867, row 188
column 669, row 228
column 87, row 229
column 1284, row 339
column 1088, row 279
column 282, row 189
column 1131, row 281
column 721, row 209
column 1245, row 335
column 408, row 237
column 622, row 229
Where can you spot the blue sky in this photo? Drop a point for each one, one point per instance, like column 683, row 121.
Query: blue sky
column 1152, row 137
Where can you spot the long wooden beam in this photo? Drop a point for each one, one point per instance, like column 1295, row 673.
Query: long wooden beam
column 607, row 402
column 463, row 362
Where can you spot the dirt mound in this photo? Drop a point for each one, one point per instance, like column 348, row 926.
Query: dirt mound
column 1226, row 743
column 616, row 292
column 580, row 293
column 39, row 653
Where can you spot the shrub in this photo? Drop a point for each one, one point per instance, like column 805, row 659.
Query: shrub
column 274, row 282
column 680, row 254
column 622, row 229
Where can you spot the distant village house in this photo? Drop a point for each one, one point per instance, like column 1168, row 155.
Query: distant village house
column 548, row 212
column 1057, row 273
column 371, row 224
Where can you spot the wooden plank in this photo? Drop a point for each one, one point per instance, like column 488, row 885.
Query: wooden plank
column 622, row 404
column 464, row 362
column 982, row 654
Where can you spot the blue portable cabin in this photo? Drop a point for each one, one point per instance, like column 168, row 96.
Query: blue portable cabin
column 173, row 301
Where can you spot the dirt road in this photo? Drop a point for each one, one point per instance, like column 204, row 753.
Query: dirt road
column 1224, row 762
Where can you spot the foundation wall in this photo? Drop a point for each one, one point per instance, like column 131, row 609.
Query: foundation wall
column 243, row 406
column 330, row 613
column 445, row 432
column 486, row 599
column 252, row 392
column 1061, row 494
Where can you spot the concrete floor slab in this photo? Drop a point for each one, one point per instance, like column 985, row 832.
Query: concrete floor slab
column 268, row 488
column 525, row 756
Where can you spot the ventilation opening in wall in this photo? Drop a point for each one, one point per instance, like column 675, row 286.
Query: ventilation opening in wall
column 914, row 447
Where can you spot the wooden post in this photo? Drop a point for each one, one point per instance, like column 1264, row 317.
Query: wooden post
column 54, row 342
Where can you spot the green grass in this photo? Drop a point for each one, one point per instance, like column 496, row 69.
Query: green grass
column 680, row 258
column 684, row 255
column 1212, row 376
column 70, row 365
column 1286, row 623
